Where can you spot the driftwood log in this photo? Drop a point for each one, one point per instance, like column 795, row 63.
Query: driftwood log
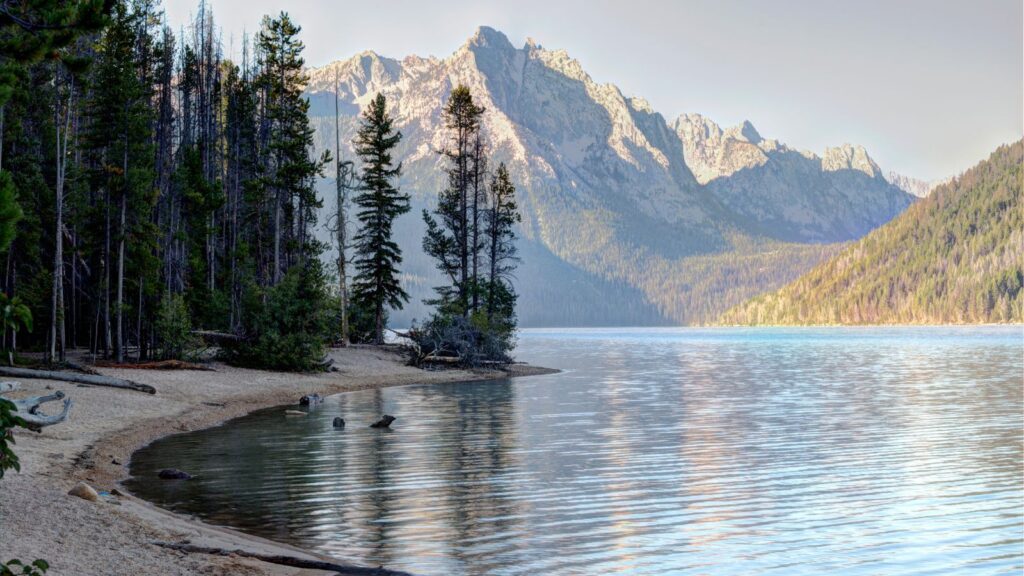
column 290, row 561
column 384, row 422
column 89, row 379
column 214, row 336
column 28, row 408
column 156, row 365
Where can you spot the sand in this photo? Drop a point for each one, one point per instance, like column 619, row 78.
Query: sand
column 38, row 519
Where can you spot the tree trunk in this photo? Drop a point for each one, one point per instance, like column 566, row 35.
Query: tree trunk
column 478, row 168
column 379, row 339
column 107, row 338
column 341, row 183
column 277, row 239
column 119, row 344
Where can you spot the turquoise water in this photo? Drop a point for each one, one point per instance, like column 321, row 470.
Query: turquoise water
column 657, row 451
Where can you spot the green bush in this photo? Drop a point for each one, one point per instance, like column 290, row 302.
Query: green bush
column 8, row 420
column 18, row 568
column 287, row 326
column 174, row 329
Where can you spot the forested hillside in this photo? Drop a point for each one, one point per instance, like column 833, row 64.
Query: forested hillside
column 954, row 257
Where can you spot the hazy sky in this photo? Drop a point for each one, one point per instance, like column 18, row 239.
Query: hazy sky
column 928, row 87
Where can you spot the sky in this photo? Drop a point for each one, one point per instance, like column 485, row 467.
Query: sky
column 929, row 87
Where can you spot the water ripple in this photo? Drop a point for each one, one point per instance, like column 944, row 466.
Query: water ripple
column 858, row 451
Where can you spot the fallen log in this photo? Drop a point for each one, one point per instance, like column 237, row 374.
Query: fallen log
column 88, row 379
column 28, row 408
column 156, row 365
column 290, row 561
column 80, row 367
column 441, row 359
column 215, row 336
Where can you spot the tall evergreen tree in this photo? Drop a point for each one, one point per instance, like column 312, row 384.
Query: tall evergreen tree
column 500, row 235
column 377, row 256
column 453, row 237
column 119, row 140
column 293, row 174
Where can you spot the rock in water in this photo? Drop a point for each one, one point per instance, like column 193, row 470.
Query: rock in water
column 339, row 422
column 311, row 400
column 384, row 422
column 173, row 474
column 85, row 492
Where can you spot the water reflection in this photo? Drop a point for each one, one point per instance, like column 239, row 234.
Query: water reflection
column 688, row 451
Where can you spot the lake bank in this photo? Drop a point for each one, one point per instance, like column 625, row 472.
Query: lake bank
column 39, row 519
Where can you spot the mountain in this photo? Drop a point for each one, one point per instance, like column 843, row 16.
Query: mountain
column 953, row 257
column 790, row 194
column 915, row 186
column 627, row 218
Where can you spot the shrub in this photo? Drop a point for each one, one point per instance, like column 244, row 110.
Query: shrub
column 8, row 420
column 473, row 340
column 285, row 327
column 18, row 568
column 174, row 329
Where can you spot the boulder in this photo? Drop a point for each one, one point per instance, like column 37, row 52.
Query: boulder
column 173, row 474
column 85, row 492
column 311, row 400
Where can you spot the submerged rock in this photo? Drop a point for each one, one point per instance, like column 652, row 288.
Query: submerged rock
column 311, row 400
column 339, row 422
column 173, row 474
column 384, row 422
column 85, row 492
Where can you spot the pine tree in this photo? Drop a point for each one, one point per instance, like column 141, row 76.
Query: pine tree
column 453, row 237
column 500, row 219
column 121, row 145
column 293, row 177
column 10, row 211
column 32, row 31
column 377, row 256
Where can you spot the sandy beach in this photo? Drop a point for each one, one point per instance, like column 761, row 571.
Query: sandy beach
column 38, row 519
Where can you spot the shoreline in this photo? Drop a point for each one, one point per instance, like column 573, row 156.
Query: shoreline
column 105, row 428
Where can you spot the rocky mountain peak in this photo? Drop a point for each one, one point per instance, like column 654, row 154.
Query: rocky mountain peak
column 850, row 157
column 487, row 37
column 915, row 186
column 746, row 131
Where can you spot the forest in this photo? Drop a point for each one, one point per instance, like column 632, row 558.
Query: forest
column 155, row 193
column 953, row 258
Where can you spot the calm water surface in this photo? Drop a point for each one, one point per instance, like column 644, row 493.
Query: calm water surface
column 852, row 451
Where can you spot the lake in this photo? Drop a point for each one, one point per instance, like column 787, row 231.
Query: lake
column 656, row 451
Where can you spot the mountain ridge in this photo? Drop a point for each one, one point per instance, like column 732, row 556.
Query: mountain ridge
column 607, row 185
